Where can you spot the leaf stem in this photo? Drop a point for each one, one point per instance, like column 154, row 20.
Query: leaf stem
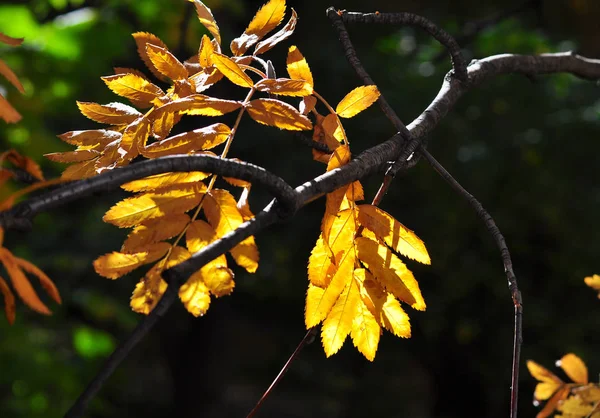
column 332, row 110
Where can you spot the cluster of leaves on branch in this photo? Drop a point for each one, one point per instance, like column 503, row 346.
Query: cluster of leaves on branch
column 7, row 112
column 17, row 267
column 580, row 399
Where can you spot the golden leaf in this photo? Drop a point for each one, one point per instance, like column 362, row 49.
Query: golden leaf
column 231, row 70
column 246, row 255
column 195, row 295
column 198, row 139
column 276, row 113
column 297, row 67
column 21, row 284
column 548, row 381
column 284, row 87
column 72, row 156
column 165, row 63
column 355, row 192
column 206, row 78
column 79, row 171
column 219, row 280
column 141, row 40
column 333, row 131
column 112, row 113
column 390, row 272
column 339, row 232
column 132, row 211
column 158, row 181
column 11, row 76
column 339, row 157
column 135, row 88
column 111, row 158
column 574, row 367
column 266, row 19
column 320, row 266
column 593, row 282
column 207, row 19
column 154, row 230
column 396, row 235
column 205, row 51
column 199, row 104
column 101, row 137
column 9, row 300
column 338, row 323
column 149, row 290
column 366, row 330
column 280, row 35
column 574, row 407
column 114, row 265
column 357, row 100
column 7, row 112
column 550, row 406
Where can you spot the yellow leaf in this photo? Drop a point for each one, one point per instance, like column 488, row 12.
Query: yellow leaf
column 154, row 230
column 338, row 323
column 246, row 255
column 137, row 89
column 593, row 282
column 550, row 406
column 549, row 383
column 148, row 291
column 244, row 206
column 7, row 112
column 265, row 20
column 391, row 273
column 206, row 78
column 198, row 139
column 112, row 113
column 112, row 157
column 158, row 181
column 574, row 367
column 207, row 19
column 339, row 157
column 205, row 51
column 79, row 171
column 320, row 267
column 195, row 295
column 21, row 284
column 199, row 104
column 365, row 327
column 219, row 280
column 338, row 232
column 198, row 235
column 357, row 100
column 355, row 192
column 396, row 235
column 297, row 67
column 320, row 301
column 284, row 87
column 132, row 211
column 141, row 40
column 333, row 131
column 45, row 281
column 280, row 35
column 165, row 63
column 101, row 137
column 163, row 122
column 279, row 114
column 574, row 407
column 231, row 70
column 11, row 76
column 9, row 301
column 72, row 156
column 114, row 265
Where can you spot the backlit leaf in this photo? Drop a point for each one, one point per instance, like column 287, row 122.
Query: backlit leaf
column 114, row 265
column 101, row 137
column 574, row 367
column 396, row 235
column 231, row 70
column 207, row 19
column 276, row 113
column 366, row 330
column 165, row 63
column 206, row 78
column 205, row 52
column 297, row 67
column 149, row 290
column 548, row 382
column 333, row 131
column 246, row 255
column 390, row 272
column 219, row 280
column 79, row 171
column 199, row 104
column 158, row 181
column 132, row 211
column 141, row 40
column 198, row 139
column 593, row 282
column 195, row 295
column 112, row 113
column 338, row 323
column 9, row 300
column 357, row 100
column 266, row 19
column 320, row 266
column 284, row 87
column 155, row 230
column 72, row 156
column 339, row 157
column 135, row 88
column 280, row 35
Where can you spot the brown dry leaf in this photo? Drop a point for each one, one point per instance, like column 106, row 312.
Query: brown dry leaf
column 114, row 265
column 11, row 76
column 140, row 91
column 9, row 40
column 231, row 70
column 207, row 19
column 280, row 35
column 198, row 139
column 266, row 19
column 307, row 105
column 276, row 113
column 9, row 301
column 112, row 113
column 284, row 87
column 357, row 100
column 141, row 40
column 165, row 62
column 7, row 112
column 297, row 67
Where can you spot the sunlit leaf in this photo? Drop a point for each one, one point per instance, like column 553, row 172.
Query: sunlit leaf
column 79, row 171
column 155, row 230
column 297, row 67
column 339, row 157
column 276, row 113
column 141, row 40
column 195, row 295
column 114, row 265
column 158, row 181
column 112, row 113
column 284, row 87
column 165, row 62
column 198, row 139
column 320, row 266
column 100, row 137
column 205, row 52
column 266, row 19
column 366, row 330
column 338, row 323
column 593, row 282
column 135, row 88
column 207, row 19
column 280, row 35
column 149, row 290
column 199, row 104
column 574, row 367
column 548, row 381
column 357, row 100
column 231, row 70
column 72, row 156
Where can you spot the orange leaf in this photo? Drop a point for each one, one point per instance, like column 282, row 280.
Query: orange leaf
column 307, row 104
column 178, row 198
column 198, row 139
column 7, row 112
column 231, row 70
column 137, row 89
column 114, row 265
column 334, row 133
column 141, row 40
column 8, row 40
column 101, row 137
column 79, row 171
column 21, row 283
column 155, row 230
column 45, row 281
column 284, row 87
column 25, row 163
column 165, row 63
column 280, row 35
column 9, row 300
column 297, row 67
column 11, row 76
column 199, row 104
column 112, row 113
column 593, row 282
column 266, row 19
column 357, row 100
column 158, row 181
column 276, row 113
column 207, row 19
column 72, row 156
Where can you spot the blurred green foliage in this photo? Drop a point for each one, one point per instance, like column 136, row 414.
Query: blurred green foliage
column 526, row 148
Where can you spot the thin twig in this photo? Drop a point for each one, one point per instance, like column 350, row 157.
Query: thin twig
column 508, row 270
column 306, row 340
column 312, row 143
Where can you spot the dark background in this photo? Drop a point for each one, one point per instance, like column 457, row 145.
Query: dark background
column 526, row 148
